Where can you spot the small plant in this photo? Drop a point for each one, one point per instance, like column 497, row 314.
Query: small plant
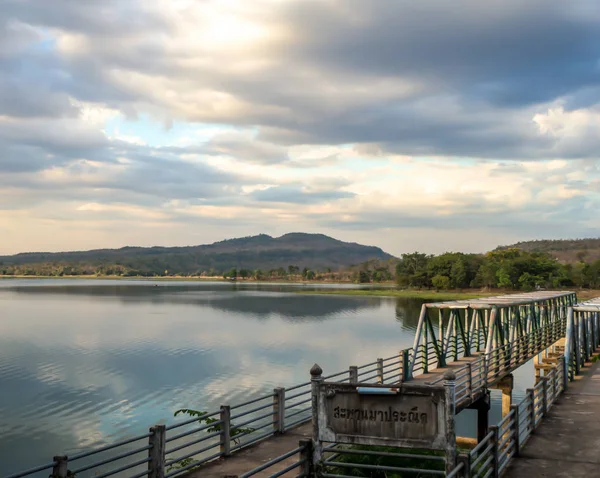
column 178, row 465
column 202, row 418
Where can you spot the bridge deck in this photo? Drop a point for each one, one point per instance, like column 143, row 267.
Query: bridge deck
column 256, row 455
column 567, row 442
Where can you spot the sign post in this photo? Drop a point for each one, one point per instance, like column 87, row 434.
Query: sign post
column 407, row 415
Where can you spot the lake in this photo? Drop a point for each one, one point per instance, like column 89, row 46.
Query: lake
column 86, row 362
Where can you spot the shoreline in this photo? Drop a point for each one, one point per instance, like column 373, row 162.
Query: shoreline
column 378, row 289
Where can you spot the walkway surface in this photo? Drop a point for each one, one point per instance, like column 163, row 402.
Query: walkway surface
column 272, row 447
column 567, row 442
column 257, row 455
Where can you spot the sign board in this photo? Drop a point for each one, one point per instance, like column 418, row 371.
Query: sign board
column 409, row 416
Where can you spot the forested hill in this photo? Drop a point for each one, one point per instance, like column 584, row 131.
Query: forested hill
column 302, row 251
column 565, row 250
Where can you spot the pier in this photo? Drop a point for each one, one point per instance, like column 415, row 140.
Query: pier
column 462, row 349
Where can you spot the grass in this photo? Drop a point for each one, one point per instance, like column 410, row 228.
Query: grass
column 406, row 294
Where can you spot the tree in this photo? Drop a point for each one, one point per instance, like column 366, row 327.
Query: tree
column 458, row 274
column 411, row 270
column 363, row 277
column 440, row 282
column 504, row 279
column 259, row 275
column 529, row 281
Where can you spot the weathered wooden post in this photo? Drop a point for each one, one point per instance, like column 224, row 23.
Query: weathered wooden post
column 279, row 410
column 450, row 387
column 225, row 417
column 316, row 379
column 353, row 374
column 61, row 467
column 517, row 438
column 156, row 453
column 306, row 458
column 379, row 370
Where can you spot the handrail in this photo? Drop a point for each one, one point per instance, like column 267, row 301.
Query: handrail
column 580, row 326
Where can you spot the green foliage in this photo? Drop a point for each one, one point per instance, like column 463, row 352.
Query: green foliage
column 412, row 270
column 399, row 462
column 178, row 465
column 440, row 282
column 313, row 251
column 363, row 277
column 202, row 418
column 529, row 266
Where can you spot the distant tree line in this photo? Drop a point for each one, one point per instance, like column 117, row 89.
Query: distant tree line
column 509, row 268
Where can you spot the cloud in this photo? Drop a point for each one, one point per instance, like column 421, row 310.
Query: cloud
column 297, row 195
column 211, row 119
column 241, row 146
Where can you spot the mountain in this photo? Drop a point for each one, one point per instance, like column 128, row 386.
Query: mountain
column 565, row 250
column 312, row 251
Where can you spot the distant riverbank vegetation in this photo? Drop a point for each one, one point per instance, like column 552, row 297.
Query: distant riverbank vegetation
column 511, row 268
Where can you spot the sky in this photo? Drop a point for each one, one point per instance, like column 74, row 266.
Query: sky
column 432, row 125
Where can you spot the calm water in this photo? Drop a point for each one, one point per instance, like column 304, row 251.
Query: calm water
column 84, row 363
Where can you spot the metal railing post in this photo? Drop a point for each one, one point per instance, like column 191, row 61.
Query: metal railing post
column 353, row 374
column 404, row 361
column 495, row 452
column 61, row 467
column 544, row 396
column 306, row 458
column 531, row 394
column 156, row 465
column 279, row 410
column 379, row 370
column 465, row 459
column 569, row 345
column 225, row 417
column 316, row 379
column 450, row 393
column 576, row 343
column 517, row 438
column 470, row 382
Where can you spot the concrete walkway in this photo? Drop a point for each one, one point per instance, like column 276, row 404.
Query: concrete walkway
column 257, row 455
column 567, row 442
